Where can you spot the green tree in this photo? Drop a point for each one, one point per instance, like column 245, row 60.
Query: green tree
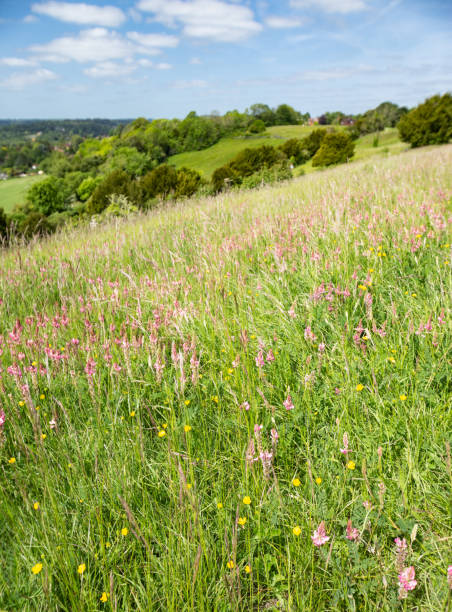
column 257, row 127
column 293, row 149
column 428, row 123
column 160, row 182
column 3, row 225
column 188, row 182
column 47, row 196
column 286, row 115
column 336, row 148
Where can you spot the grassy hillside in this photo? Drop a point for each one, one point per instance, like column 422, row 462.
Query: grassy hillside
column 13, row 191
column 235, row 404
column 225, row 150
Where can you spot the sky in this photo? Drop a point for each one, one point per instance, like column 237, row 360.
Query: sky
column 165, row 58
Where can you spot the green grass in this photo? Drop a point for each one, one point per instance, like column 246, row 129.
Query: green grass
column 208, row 160
column 13, row 191
column 137, row 358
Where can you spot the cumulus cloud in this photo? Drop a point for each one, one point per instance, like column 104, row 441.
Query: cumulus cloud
column 81, row 13
column 163, row 66
column 283, row 22
column 16, row 62
column 30, row 19
column 26, row 79
column 93, row 45
column 209, row 19
column 154, row 40
column 105, row 70
column 331, row 6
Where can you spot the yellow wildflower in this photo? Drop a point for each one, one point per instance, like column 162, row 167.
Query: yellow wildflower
column 296, row 530
column 351, row 465
column 81, row 568
column 124, row 531
column 36, row 568
column 247, row 500
column 296, row 482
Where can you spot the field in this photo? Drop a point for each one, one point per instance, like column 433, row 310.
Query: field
column 239, row 403
column 208, row 160
column 13, row 191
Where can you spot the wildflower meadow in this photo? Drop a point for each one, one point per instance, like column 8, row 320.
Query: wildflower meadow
column 236, row 403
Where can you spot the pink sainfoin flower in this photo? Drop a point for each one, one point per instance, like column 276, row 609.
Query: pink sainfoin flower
column 270, row 357
column 407, row 581
column 449, row 576
column 322, row 347
column 319, row 536
column 291, row 312
column 258, row 428
column 288, row 404
column 90, row 368
column 401, row 544
column 352, row 532
column 2, row 419
column 260, row 359
column 345, row 450
column 309, row 334
column 245, row 405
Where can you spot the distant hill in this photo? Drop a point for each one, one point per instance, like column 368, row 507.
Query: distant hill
column 53, row 130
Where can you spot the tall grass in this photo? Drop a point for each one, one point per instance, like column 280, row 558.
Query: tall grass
column 188, row 395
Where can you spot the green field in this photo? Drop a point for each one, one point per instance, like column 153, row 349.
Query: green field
column 13, row 191
column 208, row 160
column 239, row 403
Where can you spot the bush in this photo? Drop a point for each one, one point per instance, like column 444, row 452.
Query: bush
column 294, row 151
column 336, row 148
column 247, row 162
column 188, row 182
column 257, row 127
column 160, row 182
column 267, row 176
column 428, row 123
column 311, row 144
column 3, row 225
column 35, row 223
column 87, row 186
column 224, row 177
column 118, row 182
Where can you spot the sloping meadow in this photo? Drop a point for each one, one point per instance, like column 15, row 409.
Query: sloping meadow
column 236, row 403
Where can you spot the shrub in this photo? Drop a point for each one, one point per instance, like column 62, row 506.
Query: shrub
column 294, row 151
column 3, row 225
column 336, row 148
column 160, row 182
column 35, row 223
column 267, row 176
column 86, row 187
column 188, row 182
column 118, row 182
column 428, row 123
column 311, row 144
column 224, row 177
column 257, row 127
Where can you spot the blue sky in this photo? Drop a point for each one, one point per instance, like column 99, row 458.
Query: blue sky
column 164, row 58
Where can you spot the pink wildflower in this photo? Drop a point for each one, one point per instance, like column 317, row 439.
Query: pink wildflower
column 322, row 347
column 449, row 576
column 258, row 428
column 245, row 405
column 352, row 532
column 260, row 359
column 319, row 536
column 407, row 580
column 345, row 450
column 2, row 418
column 270, row 357
column 309, row 334
column 400, row 543
column 90, row 367
column 288, row 404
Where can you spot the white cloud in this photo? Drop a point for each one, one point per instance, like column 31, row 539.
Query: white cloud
column 79, row 12
column 211, row 19
column 105, row 70
column 94, row 45
column 195, row 61
column 154, row 40
column 25, row 79
column 145, row 63
column 30, row 19
column 163, row 66
column 16, row 62
column 195, row 84
column 331, row 6
column 135, row 15
column 283, row 22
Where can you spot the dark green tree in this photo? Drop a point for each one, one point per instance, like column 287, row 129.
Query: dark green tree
column 336, row 148
column 312, row 142
column 118, row 182
column 428, row 123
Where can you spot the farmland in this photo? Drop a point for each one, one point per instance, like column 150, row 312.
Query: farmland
column 236, row 403
column 13, row 191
